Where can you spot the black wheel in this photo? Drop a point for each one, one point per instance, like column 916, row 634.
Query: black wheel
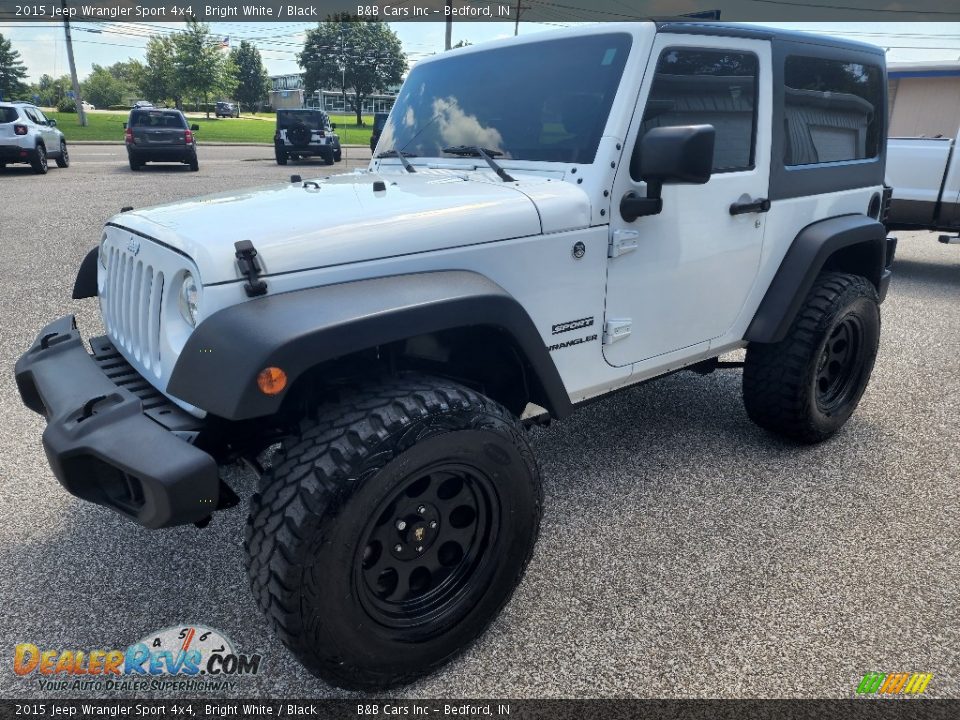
column 328, row 159
column 392, row 530
column 64, row 160
column 338, row 155
column 280, row 154
column 135, row 164
column 299, row 135
column 806, row 386
column 39, row 162
column 194, row 163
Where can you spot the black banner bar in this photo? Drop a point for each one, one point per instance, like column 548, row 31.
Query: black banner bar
column 474, row 10
column 914, row 709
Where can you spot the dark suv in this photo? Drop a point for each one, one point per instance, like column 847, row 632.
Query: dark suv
column 160, row 135
column 305, row 133
column 379, row 120
column 225, row 108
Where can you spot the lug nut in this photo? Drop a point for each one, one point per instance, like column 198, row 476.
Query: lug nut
column 422, row 509
column 401, row 525
column 433, row 524
column 398, row 548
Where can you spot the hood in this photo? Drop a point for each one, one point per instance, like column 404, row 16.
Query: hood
column 343, row 219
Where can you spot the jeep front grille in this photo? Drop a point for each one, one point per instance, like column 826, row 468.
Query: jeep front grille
column 131, row 310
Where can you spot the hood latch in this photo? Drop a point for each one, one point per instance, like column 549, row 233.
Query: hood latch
column 250, row 268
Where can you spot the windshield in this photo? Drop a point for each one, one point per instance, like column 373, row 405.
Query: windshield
column 312, row 119
column 545, row 101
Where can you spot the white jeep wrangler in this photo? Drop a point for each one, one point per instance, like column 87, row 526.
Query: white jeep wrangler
column 623, row 202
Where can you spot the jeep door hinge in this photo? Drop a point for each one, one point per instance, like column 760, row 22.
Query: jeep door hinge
column 615, row 330
column 622, row 242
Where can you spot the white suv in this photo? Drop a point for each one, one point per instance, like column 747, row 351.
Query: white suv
column 27, row 136
column 622, row 202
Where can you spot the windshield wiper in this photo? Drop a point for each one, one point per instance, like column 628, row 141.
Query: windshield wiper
column 487, row 155
column 407, row 165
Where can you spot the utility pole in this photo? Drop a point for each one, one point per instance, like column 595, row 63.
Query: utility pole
column 73, row 67
column 516, row 22
column 449, row 39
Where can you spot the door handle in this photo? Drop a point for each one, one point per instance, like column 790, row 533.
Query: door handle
column 760, row 205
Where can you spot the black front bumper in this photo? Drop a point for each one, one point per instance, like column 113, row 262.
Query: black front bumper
column 110, row 438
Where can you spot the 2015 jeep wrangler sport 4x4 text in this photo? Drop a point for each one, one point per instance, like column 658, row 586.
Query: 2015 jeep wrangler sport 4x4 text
column 625, row 201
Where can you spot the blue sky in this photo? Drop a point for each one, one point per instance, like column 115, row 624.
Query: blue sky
column 42, row 46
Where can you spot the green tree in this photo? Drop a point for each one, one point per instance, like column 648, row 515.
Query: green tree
column 102, row 88
column 362, row 56
column 253, row 84
column 12, row 72
column 130, row 74
column 158, row 80
column 50, row 90
column 201, row 66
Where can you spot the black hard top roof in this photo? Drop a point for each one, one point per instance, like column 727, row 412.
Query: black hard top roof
column 757, row 32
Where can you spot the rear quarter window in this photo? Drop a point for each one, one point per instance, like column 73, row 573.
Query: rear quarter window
column 833, row 110
column 8, row 115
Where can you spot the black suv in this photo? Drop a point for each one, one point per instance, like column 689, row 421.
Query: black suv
column 379, row 120
column 160, row 135
column 305, row 133
column 225, row 108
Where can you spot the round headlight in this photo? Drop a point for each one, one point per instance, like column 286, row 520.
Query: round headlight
column 189, row 297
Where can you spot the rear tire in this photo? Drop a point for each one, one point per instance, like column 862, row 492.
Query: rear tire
column 391, row 531
column 39, row 162
column 135, row 165
column 64, row 160
column 806, row 386
column 194, row 164
column 281, row 156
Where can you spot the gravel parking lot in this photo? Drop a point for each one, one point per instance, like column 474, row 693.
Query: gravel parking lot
column 684, row 552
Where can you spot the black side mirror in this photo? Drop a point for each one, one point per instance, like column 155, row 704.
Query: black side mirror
column 124, row 126
column 194, row 127
column 333, row 126
column 669, row 155
column 52, row 123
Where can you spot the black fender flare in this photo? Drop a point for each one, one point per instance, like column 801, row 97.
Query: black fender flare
column 863, row 241
column 85, row 286
column 295, row 331
column 809, row 254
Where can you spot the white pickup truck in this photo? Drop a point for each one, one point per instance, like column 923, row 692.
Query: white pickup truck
column 925, row 176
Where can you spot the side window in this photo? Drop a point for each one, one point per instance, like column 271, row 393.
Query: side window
column 832, row 110
column 32, row 114
column 41, row 118
column 707, row 87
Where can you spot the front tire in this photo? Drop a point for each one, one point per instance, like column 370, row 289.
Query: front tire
column 39, row 162
column 392, row 530
column 806, row 386
column 64, row 160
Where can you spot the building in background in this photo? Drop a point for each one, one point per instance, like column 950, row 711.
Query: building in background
column 924, row 99
column 288, row 92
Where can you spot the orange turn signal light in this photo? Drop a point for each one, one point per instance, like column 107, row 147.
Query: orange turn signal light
column 272, row 381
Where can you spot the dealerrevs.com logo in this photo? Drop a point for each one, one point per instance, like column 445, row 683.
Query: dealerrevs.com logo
column 182, row 657
column 890, row 684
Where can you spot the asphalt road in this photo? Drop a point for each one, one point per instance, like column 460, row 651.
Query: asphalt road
column 684, row 552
